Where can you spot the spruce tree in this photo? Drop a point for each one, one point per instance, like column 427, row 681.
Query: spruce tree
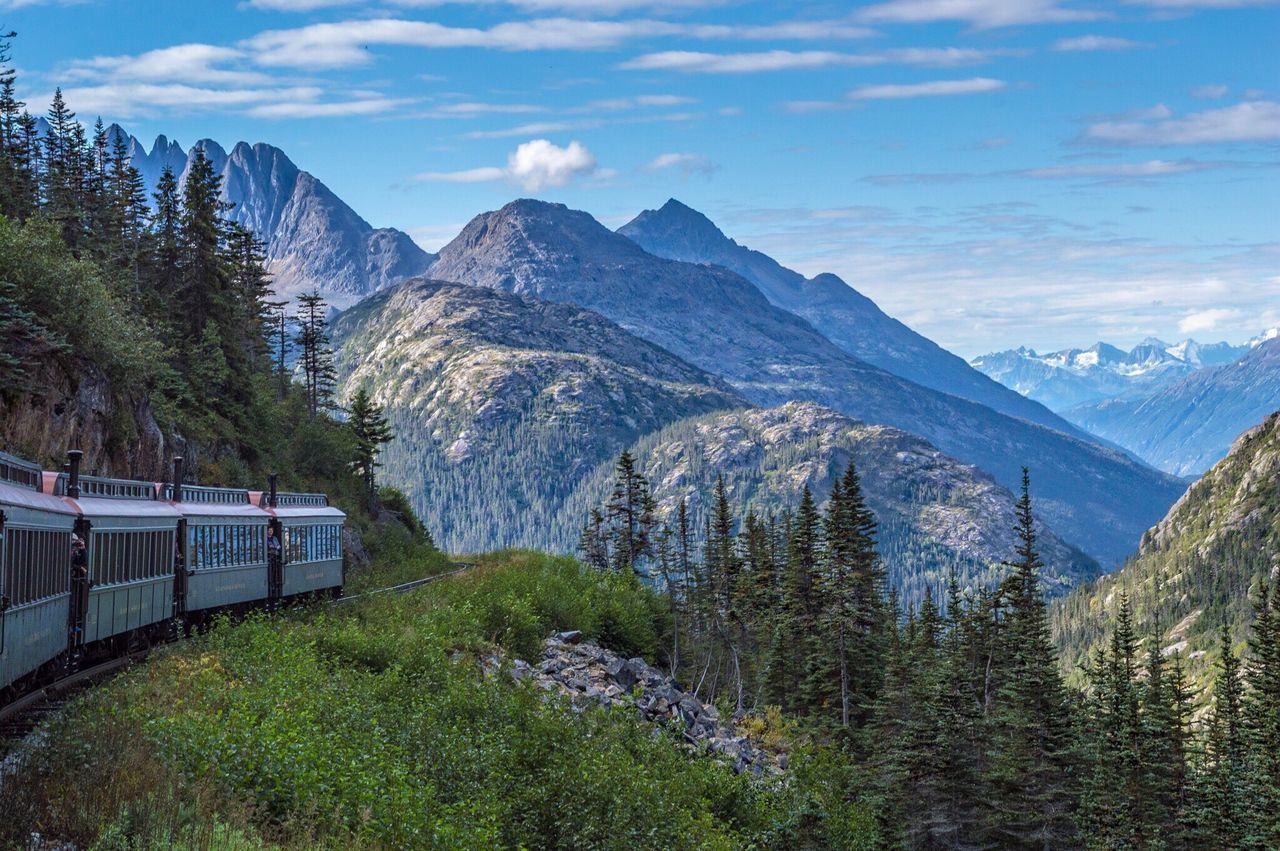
column 318, row 375
column 369, row 427
column 1030, row 768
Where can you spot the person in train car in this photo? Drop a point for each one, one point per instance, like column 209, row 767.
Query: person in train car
column 79, row 572
column 273, row 544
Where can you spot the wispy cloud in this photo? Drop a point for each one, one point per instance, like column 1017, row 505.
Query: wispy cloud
column 1091, row 43
column 534, row 165
column 467, row 110
column 697, row 62
column 202, row 64
column 329, row 109
column 980, row 14
column 1251, row 121
column 1207, row 320
column 1150, row 168
column 686, row 163
column 933, row 88
column 1210, row 92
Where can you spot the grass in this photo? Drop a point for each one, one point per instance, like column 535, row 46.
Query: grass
column 371, row 725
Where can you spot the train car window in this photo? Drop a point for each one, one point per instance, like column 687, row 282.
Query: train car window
column 37, row 564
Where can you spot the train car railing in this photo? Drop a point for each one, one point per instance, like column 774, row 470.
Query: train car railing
column 296, row 500
column 100, row 487
column 15, row 471
column 207, row 495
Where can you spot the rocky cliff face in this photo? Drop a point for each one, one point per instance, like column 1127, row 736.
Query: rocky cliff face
column 314, row 240
column 503, row 404
column 719, row 321
column 1197, row 567
column 842, row 314
column 936, row 515
column 116, row 430
column 1187, row 426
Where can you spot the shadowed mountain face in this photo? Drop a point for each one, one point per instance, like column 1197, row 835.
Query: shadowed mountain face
column 1197, row 568
column 713, row 318
column 843, row 315
column 937, row 517
column 502, row 404
column 314, row 240
column 1187, row 426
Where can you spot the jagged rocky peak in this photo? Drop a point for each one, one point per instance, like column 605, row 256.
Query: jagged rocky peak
column 682, row 231
column 314, row 240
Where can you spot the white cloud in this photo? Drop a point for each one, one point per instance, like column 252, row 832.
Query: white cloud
column 686, row 163
column 534, row 165
column 1150, row 168
column 1207, row 320
column 689, row 61
column 183, row 63
column 332, row 109
column 538, row 164
column 1089, row 43
column 1209, row 92
column 346, row 43
column 1189, row 5
column 625, row 103
column 981, row 14
column 1252, row 121
column 471, row 175
column 532, row 129
column 470, row 109
column 808, row 107
column 131, row 100
column 934, row 88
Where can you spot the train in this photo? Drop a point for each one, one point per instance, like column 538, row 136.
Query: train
column 95, row 568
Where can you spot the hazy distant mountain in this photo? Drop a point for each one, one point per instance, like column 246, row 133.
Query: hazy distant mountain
column 1197, row 568
column 502, row 404
column 842, row 314
column 314, row 240
column 713, row 318
column 1072, row 377
column 936, row 515
column 1187, row 426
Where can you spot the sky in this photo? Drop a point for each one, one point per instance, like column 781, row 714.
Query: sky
column 994, row 173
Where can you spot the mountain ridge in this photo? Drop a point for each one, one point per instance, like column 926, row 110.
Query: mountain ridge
column 838, row 311
column 713, row 318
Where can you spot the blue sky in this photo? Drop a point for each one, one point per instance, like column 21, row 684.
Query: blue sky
column 992, row 172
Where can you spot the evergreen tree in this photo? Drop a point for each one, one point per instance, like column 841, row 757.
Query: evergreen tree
column 318, row 375
column 369, row 427
column 1221, row 783
column 630, row 511
column 593, row 542
column 1030, row 768
column 1261, row 717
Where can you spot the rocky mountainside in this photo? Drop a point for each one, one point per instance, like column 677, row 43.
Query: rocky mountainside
column 1197, row 568
column 502, row 404
column 1187, row 426
column 314, row 240
column 719, row 321
column 838, row 311
column 936, row 515
column 1072, row 377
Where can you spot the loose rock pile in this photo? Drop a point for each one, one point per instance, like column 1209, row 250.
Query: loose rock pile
column 586, row 674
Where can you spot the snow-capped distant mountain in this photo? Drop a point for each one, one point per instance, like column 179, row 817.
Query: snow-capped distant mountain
column 1187, row 426
column 1071, row 377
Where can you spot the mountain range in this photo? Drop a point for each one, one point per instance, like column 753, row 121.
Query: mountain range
column 719, row 321
column 1064, row 379
column 1185, row 427
column 510, row 411
column 1197, row 569
column 836, row 310
column 313, row 239
column 758, row 333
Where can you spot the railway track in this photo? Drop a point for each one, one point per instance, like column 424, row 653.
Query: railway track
column 19, row 718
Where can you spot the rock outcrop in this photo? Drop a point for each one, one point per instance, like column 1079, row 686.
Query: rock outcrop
column 589, row 675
